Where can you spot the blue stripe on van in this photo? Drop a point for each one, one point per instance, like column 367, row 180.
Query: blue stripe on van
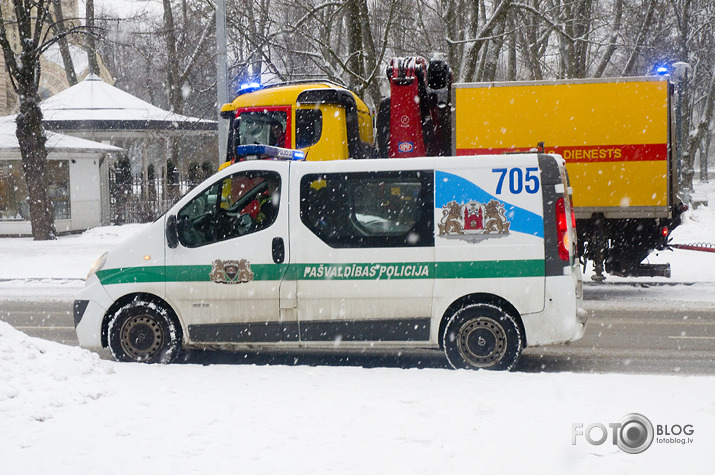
column 449, row 187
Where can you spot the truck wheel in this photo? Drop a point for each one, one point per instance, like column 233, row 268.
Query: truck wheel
column 482, row 336
column 143, row 331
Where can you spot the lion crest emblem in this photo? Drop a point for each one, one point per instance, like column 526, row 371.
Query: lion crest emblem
column 451, row 222
column 495, row 218
column 473, row 220
column 231, row 272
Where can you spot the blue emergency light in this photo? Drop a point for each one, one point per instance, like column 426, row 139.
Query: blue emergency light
column 662, row 70
column 269, row 152
column 249, row 87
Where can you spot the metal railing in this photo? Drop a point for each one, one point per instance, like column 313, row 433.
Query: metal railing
column 142, row 201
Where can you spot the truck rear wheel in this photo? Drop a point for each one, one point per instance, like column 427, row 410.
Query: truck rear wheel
column 482, row 336
column 143, row 331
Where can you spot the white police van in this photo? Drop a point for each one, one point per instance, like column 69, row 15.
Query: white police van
column 473, row 255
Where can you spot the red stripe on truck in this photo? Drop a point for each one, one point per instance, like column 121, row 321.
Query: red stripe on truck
column 588, row 153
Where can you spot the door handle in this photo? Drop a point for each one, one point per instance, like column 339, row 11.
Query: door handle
column 279, row 250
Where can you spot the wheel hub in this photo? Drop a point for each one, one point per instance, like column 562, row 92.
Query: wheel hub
column 482, row 342
column 141, row 337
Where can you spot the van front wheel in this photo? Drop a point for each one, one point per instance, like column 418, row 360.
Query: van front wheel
column 482, row 336
column 143, row 331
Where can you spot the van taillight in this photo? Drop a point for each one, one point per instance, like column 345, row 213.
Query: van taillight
column 562, row 229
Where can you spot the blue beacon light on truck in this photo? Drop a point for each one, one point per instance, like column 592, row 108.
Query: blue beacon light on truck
column 249, row 87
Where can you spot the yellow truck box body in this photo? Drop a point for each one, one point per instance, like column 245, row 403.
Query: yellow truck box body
column 612, row 133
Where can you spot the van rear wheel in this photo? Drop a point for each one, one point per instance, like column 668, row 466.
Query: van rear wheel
column 482, row 336
column 143, row 331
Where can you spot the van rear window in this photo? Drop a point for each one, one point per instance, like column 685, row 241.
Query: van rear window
column 373, row 209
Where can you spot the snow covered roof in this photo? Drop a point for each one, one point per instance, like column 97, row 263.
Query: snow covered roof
column 93, row 104
column 55, row 142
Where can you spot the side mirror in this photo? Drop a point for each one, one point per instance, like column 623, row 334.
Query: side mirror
column 172, row 231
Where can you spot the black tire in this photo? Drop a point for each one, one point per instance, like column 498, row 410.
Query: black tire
column 144, row 331
column 482, row 336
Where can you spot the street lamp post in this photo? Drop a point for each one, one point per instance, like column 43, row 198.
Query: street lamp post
column 221, row 78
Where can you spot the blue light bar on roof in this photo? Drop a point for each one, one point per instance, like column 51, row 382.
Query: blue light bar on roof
column 249, row 87
column 268, row 152
column 662, row 70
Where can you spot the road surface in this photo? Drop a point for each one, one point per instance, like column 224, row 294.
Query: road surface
column 632, row 328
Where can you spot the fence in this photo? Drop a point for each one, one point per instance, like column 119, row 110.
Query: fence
column 134, row 200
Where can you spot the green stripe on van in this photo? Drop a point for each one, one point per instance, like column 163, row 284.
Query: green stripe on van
column 131, row 275
column 358, row 271
column 489, row 269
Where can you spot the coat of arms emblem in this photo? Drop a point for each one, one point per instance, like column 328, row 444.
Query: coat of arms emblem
column 473, row 220
column 231, row 272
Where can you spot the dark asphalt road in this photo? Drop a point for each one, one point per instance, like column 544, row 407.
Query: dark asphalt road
column 648, row 337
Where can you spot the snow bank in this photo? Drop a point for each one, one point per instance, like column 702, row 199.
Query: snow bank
column 55, row 268
column 66, row 258
column 698, row 226
column 38, row 377
column 62, row 411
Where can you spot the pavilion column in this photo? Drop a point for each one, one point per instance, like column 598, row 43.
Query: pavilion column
column 145, row 170
column 165, row 172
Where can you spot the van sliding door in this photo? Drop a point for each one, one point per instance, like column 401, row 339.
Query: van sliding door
column 363, row 256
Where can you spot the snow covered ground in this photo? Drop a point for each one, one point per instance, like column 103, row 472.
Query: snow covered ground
column 62, row 410
column 65, row 411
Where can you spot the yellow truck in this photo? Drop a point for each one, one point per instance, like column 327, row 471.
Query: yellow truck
column 617, row 138
column 323, row 119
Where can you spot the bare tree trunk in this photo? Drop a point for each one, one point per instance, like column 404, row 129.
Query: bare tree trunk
column 697, row 135
column 172, row 73
column 492, row 26
column 371, row 62
column 24, row 72
column 90, row 44
column 492, row 52
column 449, row 19
column 704, row 153
column 31, row 138
column 630, row 64
column 59, row 28
column 355, row 44
column 511, row 48
column 531, row 41
column 613, row 37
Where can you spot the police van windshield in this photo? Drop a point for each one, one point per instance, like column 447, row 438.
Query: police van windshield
column 262, row 127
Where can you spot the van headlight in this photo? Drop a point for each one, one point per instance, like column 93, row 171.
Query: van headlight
column 98, row 264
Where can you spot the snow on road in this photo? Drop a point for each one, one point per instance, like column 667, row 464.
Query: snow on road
column 51, row 269
column 65, row 411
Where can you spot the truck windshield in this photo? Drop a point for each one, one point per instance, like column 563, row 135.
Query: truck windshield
column 262, row 127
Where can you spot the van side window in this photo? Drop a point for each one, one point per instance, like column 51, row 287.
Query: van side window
column 374, row 209
column 308, row 127
column 240, row 204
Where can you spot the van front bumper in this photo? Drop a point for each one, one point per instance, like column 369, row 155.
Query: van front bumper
column 89, row 309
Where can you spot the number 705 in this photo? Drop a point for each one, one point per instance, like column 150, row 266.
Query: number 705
column 517, row 181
